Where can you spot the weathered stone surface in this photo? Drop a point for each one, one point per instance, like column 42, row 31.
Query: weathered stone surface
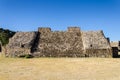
column 115, row 49
column 59, row 44
column 95, row 44
column 20, row 44
column 70, row 43
column 94, row 40
column 114, row 44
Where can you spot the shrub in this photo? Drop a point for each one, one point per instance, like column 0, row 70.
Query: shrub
column 26, row 56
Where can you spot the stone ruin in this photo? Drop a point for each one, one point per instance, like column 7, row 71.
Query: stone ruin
column 115, row 49
column 70, row 43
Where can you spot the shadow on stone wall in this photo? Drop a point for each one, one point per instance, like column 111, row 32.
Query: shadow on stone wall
column 35, row 43
column 115, row 52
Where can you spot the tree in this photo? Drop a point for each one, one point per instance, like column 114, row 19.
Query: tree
column 5, row 34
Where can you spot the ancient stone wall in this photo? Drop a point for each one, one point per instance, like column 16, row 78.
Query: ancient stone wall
column 114, row 44
column 94, row 39
column 98, row 53
column 115, row 49
column 20, row 43
column 17, row 52
column 60, row 44
column 95, row 44
column 70, row 43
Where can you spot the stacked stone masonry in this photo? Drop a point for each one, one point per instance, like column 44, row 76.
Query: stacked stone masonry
column 70, row 43
column 115, row 49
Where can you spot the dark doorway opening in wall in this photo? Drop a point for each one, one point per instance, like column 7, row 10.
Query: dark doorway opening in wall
column 0, row 48
column 115, row 52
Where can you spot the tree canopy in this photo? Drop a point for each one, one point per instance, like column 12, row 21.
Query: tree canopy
column 5, row 34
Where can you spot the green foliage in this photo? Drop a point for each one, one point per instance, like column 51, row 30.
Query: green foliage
column 5, row 34
column 26, row 56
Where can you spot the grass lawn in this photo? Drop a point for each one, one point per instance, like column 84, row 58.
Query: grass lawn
column 59, row 69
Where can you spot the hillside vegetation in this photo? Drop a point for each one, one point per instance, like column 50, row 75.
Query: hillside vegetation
column 5, row 34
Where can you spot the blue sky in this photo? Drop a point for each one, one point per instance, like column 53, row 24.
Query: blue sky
column 28, row 15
